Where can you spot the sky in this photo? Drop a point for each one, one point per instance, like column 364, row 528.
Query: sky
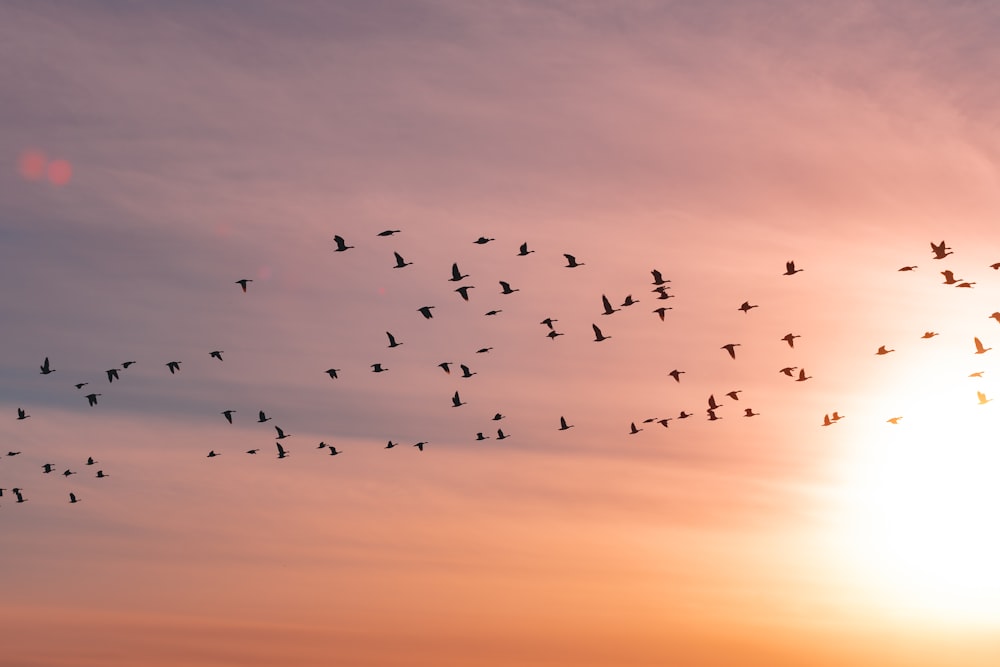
column 154, row 153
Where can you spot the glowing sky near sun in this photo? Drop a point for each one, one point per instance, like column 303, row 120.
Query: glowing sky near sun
column 155, row 153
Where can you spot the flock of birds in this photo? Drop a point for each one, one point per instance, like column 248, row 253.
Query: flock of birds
column 660, row 287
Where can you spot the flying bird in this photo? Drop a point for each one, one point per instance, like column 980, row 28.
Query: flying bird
column 940, row 250
column 977, row 374
column 400, row 262
column 735, row 394
column 788, row 370
column 48, row 467
column 683, row 415
column 45, row 367
column 949, row 278
column 242, row 282
column 497, row 417
column 996, row 316
column 633, row 430
column 907, row 268
column 745, row 306
column 607, row 306
column 827, row 421
column 390, row 444
column 480, row 436
column 420, row 445
column 92, row 398
column 466, row 373
column 228, row 414
column 712, row 405
column 126, row 364
column 91, row 461
column 216, row 354
column 802, row 376
column 790, row 339
column 334, row 451
column 20, row 497
column 72, row 498
column 392, row 340
column 790, row 269
column 482, row 240
column 101, row 474
column 456, row 401
column 662, row 312
column 388, row 232
column 261, row 418
column 598, row 336
column 524, row 250
column 712, row 416
column 112, row 374
column 882, row 350
column 748, row 412
column 81, row 385
column 491, row 313
column 505, row 288
column 658, row 278
column 629, row 301
column 463, row 291
column 676, row 374
column 979, row 346
column 730, row 348
column 21, row 414
column 929, row 334
column 456, row 275
column 501, row 435
column 571, row 262
column 211, row 454
column 894, row 420
column 341, row 245
column 563, row 425
column 253, row 451
column 426, row 311
column 484, row 350
column 281, row 434
column 444, row 366
column 332, row 372
column 173, row 366
column 282, row 453
column 982, row 398
column 554, row 334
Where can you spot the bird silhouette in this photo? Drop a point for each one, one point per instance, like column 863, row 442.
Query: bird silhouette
column 211, row 454
column 332, row 372
column 261, row 418
column 977, row 374
column 497, row 417
column 19, row 495
column 745, row 306
column 790, row 339
column 388, row 232
column 426, row 311
column 491, row 313
column 216, row 354
column 929, row 334
column 505, row 288
column 683, row 414
column 826, row 420
column 92, row 398
column 598, row 336
column 748, row 412
column 563, row 425
column 91, row 461
column 392, row 340
column 390, row 444
column 501, row 435
column 126, row 364
column 966, row 285
column 524, row 250
column 480, row 436
column 420, row 445
column 101, row 474
column 939, row 250
column 633, row 430
column 112, row 374
column 484, row 350
column 341, row 245
column 712, row 404
column 72, row 498
column 445, row 366
column 554, row 334
column 81, row 385
column 482, row 240
column 400, row 262
column 790, row 269
column 676, row 374
column 712, row 416
column 21, row 414
column 45, row 367
column 334, row 451
column 253, row 451
column 835, row 416
column 662, row 312
column 982, row 398
column 242, row 282
column 13, row 453
column 907, row 268
column 995, row 266
column 658, row 278
column 548, row 321
column 456, row 275
column 608, row 310
column 802, row 376
column 456, row 401
column 730, row 348
column 882, row 350
column 734, row 394
column 979, row 346
column 463, row 291
column 788, row 370
column 949, row 278
column 629, row 301
column 571, row 262
column 282, row 453
column 228, row 414
column 665, row 422
column 894, row 420
column 174, row 366
column 281, row 434
column 466, row 373
column 996, row 316
column 48, row 467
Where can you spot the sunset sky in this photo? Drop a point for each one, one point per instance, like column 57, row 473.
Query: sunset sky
column 153, row 153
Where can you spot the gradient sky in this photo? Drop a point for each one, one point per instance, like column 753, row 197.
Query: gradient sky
column 155, row 152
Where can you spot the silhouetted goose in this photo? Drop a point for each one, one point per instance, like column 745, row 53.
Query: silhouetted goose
column 126, row 364
column 966, row 285
column 377, row 368
column 174, row 366
column 598, row 336
column 730, row 348
column 484, row 350
column 112, row 374
column 790, row 339
column 282, row 453
column 524, row 250
column 388, row 232
column 649, row 420
column 826, row 420
column 211, row 454
column 563, row 425
column 216, row 354
column 996, row 316
column 253, row 451
column 633, row 430
column 658, row 278
column 420, row 445
column 480, row 436
column 929, row 334
column 392, row 340
column 463, row 291
column 261, row 418
column 91, row 461
column 501, row 435
column 712, row 405
column 228, row 414
column 788, row 370
column 45, row 367
column 334, row 451
column 802, row 376
column 629, row 301
column 400, row 262
column 497, row 417
column 949, row 278
column 491, row 313
column 734, row 394
column 748, row 412
column 81, row 385
column 21, row 414
column 745, row 306
column 444, row 366
column 790, row 269
column 571, row 262
column 894, row 420
column 281, row 434
column 553, row 334
column 466, row 373
column 242, row 282
column 940, row 250
column 661, row 293
column 982, row 398
column 683, row 415
column 882, row 350
column 456, row 275
column 341, row 244
column 390, row 444
column 13, row 453
column 20, row 496
column 607, row 306
column 712, row 416
column 907, row 268
column 979, row 346
column 332, row 372
column 456, row 401
column 92, row 398
column 977, row 374
column 836, row 416
column 662, row 312
column 101, row 474
column 505, row 288
column 48, row 467
column 72, row 498
column 676, row 374
column 426, row 311
column 482, row 240
column 548, row 321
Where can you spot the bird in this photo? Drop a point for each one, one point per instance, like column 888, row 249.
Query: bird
column 505, row 288
column 466, row 373
column 400, row 262
column 788, row 370
column 748, row 412
column 253, row 451
column 882, row 350
column 907, row 268
column 662, row 291
column 790, row 339
column 444, row 366
column 683, row 415
column 173, row 366
column 995, row 266
column 484, row 350
column 281, row 433
column 92, row 398
column 894, row 420
column 392, row 340
column 712, row 416
column 676, row 374
column 20, row 496
column 211, row 454
column 939, row 250
column 949, row 278
column 554, row 334
column 790, row 269
column 13, row 453
column 332, row 372
column 548, row 322
column 101, row 474
column 420, row 445
column 390, row 444
column 282, row 453
column 730, row 348
column 261, row 418
column 456, row 401
column 929, row 334
column 523, row 252
column 735, row 394
column 662, row 312
column 45, row 367
column 480, row 436
column 48, row 467
column 497, row 417
column 977, row 374
column 835, row 416
column 482, row 240
column 996, row 316
column 334, row 451
column 341, row 245
column 979, row 346
column 608, row 310
column 826, row 420
column 967, row 284
column 745, row 306
column 633, row 430
column 802, row 376
column 658, row 278
column 598, row 336
column 664, row 422
column 217, row 354
column 501, row 435
column 242, row 282
column 228, row 414
column 426, row 311
column 377, row 368
column 463, row 291
column 72, row 497
column 456, row 275
column 321, row 445
column 388, row 232
column 21, row 414
column 629, row 301
column 81, row 385
column 112, row 374
column 982, row 398
column 571, row 262
column 491, row 313
column 712, row 405
column 563, row 425
column 91, row 461
column 126, row 364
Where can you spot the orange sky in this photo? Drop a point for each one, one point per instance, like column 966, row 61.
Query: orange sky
column 158, row 153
